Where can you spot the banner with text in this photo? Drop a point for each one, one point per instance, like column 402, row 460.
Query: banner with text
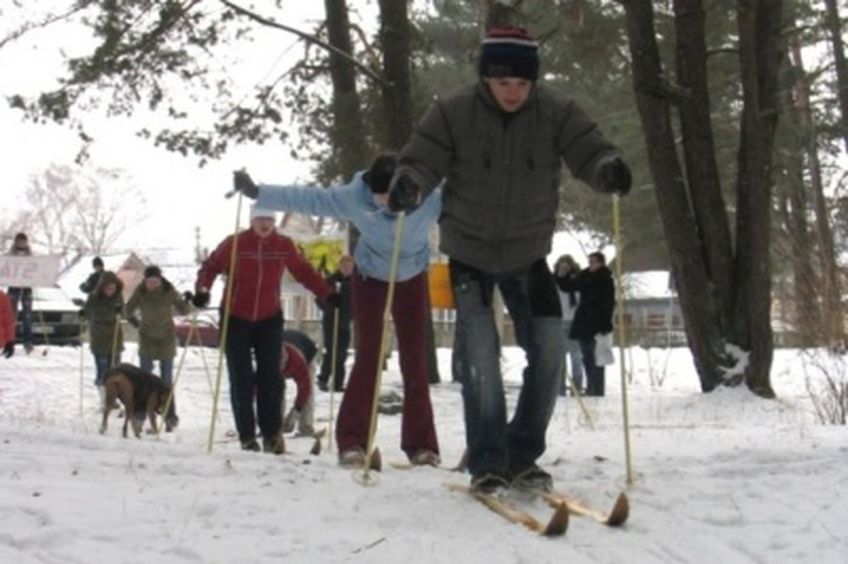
column 29, row 272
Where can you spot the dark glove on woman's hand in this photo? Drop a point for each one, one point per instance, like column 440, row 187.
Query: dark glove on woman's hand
column 200, row 299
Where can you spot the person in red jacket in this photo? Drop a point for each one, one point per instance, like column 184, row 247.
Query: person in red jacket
column 298, row 353
column 7, row 326
column 256, row 321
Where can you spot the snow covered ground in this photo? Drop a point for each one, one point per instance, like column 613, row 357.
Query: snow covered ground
column 722, row 477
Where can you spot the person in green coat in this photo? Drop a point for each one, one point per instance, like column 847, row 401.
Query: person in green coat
column 157, row 300
column 103, row 309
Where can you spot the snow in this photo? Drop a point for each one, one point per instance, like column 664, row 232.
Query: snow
column 723, row 477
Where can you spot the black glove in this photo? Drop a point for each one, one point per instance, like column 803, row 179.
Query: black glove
column 9, row 349
column 244, row 184
column 82, row 314
column 614, row 176
column 200, row 299
column 119, row 308
column 187, row 296
column 333, row 301
column 404, row 194
column 133, row 320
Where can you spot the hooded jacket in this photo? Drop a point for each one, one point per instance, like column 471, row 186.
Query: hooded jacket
column 156, row 332
column 501, row 171
column 260, row 265
column 103, row 314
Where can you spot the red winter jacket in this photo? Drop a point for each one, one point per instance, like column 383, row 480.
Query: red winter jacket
column 7, row 321
column 295, row 367
column 260, row 264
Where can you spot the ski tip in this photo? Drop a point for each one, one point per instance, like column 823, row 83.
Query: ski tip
column 558, row 524
column 620, row 511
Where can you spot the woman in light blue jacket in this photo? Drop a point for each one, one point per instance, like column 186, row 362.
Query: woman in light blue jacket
column 363, row 202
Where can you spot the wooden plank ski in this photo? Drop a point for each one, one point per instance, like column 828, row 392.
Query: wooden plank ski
column 556, row 526
column 615, row 518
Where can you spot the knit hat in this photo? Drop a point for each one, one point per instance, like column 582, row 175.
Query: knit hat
column 256, row 211
column 97, row 262
column 152, row 272
column 379, row 174
column 509, row 52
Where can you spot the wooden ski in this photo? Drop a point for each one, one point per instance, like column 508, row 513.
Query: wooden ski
column 556, row 526
column 615, row 518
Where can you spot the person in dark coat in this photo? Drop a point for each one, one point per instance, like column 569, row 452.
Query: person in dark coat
column 103, row 309
column 22, row 296
column 593, row 316
column 340, row 281
column 156, row 300
column 499, row 145
column 91, row 282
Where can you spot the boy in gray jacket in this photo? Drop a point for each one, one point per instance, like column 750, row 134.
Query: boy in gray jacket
column 499, row 145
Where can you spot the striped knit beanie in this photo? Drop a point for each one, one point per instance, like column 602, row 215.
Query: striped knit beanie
column 509, row 52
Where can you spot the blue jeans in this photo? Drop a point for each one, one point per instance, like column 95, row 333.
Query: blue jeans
column 166, row 367
column 572, row 351
column 102, row 363
column 531, row 297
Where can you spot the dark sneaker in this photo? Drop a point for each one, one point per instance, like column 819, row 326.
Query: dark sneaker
column 488, row 483
column 322, row 385
column 274, row 445
column 251, row 445
column 425, row 457
column 532, row 478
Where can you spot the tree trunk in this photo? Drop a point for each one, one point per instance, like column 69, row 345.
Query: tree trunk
column 724, row 301
column 396, row 41
column 833, row 330
column 759, row 24
column 346, row 131
column 698, row 305
column 794, row 209
column 834, row 27
column 397, row 89
column 699, row 151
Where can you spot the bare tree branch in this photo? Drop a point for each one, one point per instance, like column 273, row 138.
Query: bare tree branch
column 306, row 37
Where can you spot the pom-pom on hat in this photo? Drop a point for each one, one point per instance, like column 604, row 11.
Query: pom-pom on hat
column 509, row 52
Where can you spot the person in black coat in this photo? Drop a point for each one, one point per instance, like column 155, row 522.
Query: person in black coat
column 593, row 316
column 340, row 282
column 93, row 279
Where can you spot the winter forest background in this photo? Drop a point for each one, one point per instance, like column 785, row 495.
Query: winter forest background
column 731, row 114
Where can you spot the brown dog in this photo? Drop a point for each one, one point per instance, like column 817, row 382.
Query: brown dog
column 142, row 393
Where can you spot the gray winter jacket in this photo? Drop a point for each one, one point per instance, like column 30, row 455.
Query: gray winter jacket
column 501, row 171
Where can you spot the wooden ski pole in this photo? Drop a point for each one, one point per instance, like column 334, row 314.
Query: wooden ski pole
column 619, row 299
column 115, row 330
column 577, row 395
column 333, row 358
column 82, row 360
column 222, row 341
column 390, row 294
